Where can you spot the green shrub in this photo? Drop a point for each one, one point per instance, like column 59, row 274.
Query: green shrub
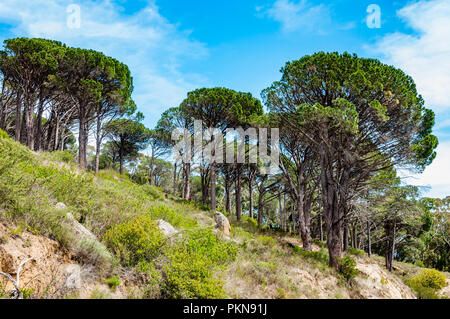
column 112, row 282
column 205, row 243
column 175, row 218
column 321, row 255
column 136, row 240
column 153, row 192
column 189, row 275
column 63, row 156
column 3, row 134
column 347, row 268
column 266, row 240
column 355, row 252
column 428, row 283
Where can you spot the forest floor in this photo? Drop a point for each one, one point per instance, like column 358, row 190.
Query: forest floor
column 266, row 265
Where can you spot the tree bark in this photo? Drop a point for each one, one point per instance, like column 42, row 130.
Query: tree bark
column 390, row 249
column 18, row 115
column 238, row 196
column 29, row 121
column 175, row 179
column 227, row 193
column 38, row 140
column 152, row 163
column 260, row 208
column 250, row 198
column 369, row 244
column 345, row 236
column 321, row 226
column 82, row 143
column 98, row 144
column 212, row 167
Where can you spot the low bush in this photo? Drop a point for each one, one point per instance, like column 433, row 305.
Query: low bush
column 205, row 243
column 321, row 255
column 347, row 268
column 356, row 252
column 136, row 240
column 266, row 240
column 173, row 217
column 63, row 156
column 428, row 283
column 113, row 283
column 3, row 134
column 189, row 275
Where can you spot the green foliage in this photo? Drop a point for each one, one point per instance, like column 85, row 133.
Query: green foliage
column 136, row 240
column 427, row 283
column 347, row 268
column 172, row 216
column 266, row 240
column 3, row 134
column 63, row 156
column 113, row 283
column 205, row 243
column 27, row 293
column 356, row 252
column 189, row 275
column 321, row 255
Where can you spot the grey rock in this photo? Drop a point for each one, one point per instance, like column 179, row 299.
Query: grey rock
column 166, row 228
column 222, row 223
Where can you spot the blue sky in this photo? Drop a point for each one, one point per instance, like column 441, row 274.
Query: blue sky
column 173, row 47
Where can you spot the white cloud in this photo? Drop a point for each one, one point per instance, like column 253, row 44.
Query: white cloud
column 425, row 55
column 436, row 176
column 151, row 46
column 295, row 16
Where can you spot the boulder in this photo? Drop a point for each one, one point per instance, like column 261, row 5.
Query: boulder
column 167, row 229
column 83, row 238
column 222, row 223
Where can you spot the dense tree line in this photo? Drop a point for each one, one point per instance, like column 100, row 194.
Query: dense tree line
column 346, row 124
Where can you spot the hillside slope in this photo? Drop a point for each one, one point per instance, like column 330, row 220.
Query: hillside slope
column 132, row 258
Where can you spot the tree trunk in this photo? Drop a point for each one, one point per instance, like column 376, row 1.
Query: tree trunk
column 187, row 184
column 369, row 244
column 260, row 208
column 321, row 226
column 18, row 115
column 212, row 167
column 29, row 121
column 38, row 142
column 98, row 143
column 3, row 107
column 238, row 196
column 175, row 179
column 121, row 160
column 227, row 193
column 345, row 236
column 332, row 213
column 390, row 249
column 250, row 197
column 152, row 163
column 82, row 143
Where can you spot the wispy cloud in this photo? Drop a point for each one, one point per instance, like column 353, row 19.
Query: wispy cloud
column 298, row 15
column 436, row 176
column 424, row 55
column 154, row 48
